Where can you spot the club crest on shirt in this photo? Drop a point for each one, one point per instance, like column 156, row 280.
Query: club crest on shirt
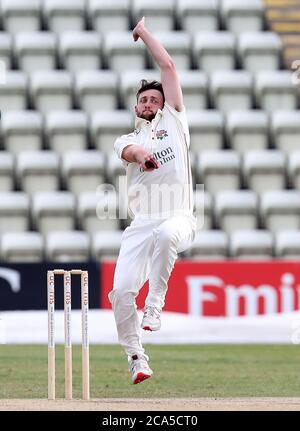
column 161, row 134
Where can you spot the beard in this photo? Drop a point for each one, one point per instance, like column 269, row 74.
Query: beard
column 146, row 115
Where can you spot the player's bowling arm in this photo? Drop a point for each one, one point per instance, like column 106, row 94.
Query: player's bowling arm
column 136, row 154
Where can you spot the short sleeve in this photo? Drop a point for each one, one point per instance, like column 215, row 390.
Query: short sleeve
column 121, row 143
column 181, row 121
column 180, row 116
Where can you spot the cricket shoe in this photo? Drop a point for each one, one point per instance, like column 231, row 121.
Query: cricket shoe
column 138, row 365
column 151, row 319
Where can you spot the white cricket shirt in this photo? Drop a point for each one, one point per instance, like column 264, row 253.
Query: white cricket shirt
column 168, row 190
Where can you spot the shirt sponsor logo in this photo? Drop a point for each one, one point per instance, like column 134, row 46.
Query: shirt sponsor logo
column 163, row 156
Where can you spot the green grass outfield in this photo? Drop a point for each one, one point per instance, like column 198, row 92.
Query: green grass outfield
column 179, row 371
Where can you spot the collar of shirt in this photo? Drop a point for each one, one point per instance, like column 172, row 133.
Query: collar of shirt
column 140, row 122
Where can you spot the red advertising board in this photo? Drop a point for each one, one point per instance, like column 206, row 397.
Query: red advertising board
column 221, row 289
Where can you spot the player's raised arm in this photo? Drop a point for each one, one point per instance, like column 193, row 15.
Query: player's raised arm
column 169, row 78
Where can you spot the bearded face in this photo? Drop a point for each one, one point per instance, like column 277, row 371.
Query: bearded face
column 149, row 102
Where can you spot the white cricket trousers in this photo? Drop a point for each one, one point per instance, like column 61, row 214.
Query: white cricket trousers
column 148, row 252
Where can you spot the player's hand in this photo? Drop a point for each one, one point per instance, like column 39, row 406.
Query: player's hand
column 150, row 163
column 138, row 28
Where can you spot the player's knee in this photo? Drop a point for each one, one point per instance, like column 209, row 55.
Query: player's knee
column 166, row 237
column 118, row 296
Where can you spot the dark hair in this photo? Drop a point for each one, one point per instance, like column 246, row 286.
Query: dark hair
column 150, row 85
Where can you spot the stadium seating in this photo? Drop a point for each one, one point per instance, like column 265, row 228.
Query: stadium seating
column 106, row 125
column 66, row 131
column 21, row 247
column 35, row 51
column 203, row 210
column 104, row 16
column 280, row 210
column 194, row 89
column 69, row 73
column 157, row 13
column 239, row 16
column 285, row 130
column 114, row 169
column 14, row 212
column 106, row 245
column 275, row 91
column 236, row 210
column 195, row 16
column 251, row 245
column 91, row 212
column 178, row 46
column 83, row 170
column 120, row 53
column 219, row 170
column 209, row 245
column 6, row 172
column 51, row 90
column 206, row 130
column 6, row 49
column 95, row 90
column 214, row 51
column 13, row 95
column 53, row 211
column 67, row 246
column 231, row 90
column 37, row 171
column 247, row 130
column 107, row 208
column 21, row 131
column 294, row 169
column 259, row 51
column 21, row 16
column 80, row 51
column 64, row 15
column 287, row 244
column 116, row 176
column 264, row 170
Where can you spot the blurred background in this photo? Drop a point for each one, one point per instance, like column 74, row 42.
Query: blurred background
column 69, row 73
